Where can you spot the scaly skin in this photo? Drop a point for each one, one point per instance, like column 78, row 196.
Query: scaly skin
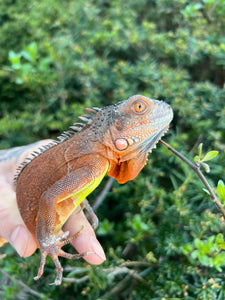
column 116, row 141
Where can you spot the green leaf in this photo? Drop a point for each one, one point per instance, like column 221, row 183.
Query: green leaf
column 31, row 51
column 187, row 249
column 197, row 159
column 207, row 192
column 198, row 243
column 221, row 190
column 210, row 155
column 14, row 59
column 200, row 150
column 220, row 182
column 220, row 241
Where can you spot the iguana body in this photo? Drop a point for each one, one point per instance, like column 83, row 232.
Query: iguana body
column 115, row 140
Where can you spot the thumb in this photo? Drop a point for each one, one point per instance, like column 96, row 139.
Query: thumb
column 86, row 241
column 12, row 227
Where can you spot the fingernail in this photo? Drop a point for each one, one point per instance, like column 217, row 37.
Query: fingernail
column 97, row 248
column 19, row 238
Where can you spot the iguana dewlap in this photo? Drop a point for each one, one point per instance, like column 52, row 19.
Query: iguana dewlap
column 114, row 140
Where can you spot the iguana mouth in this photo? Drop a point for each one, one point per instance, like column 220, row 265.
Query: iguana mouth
column 151, row 141
column 155, row 139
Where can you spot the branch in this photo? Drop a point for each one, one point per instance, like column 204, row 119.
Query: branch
column 23, row 285
column 103, row 193
column 112, row 272
column 196, row 169
column 76, row 280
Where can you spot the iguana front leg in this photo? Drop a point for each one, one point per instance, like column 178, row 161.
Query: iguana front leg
column 76, row 185
column 90, row 214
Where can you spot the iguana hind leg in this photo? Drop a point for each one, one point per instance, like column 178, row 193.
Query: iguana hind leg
column 53, row 249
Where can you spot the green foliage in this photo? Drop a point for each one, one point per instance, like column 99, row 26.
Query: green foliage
column 27, row 68
column 207, row 252
column 161, row 234
column 208, row 156
column 199, row 160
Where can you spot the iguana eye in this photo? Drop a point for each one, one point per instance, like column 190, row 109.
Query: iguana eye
column 139, row 106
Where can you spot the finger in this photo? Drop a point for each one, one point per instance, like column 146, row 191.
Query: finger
column 11, row 224
column 86, row 241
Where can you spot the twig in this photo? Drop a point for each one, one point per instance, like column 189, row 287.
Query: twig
column 117, row 290
column 197, row 170
column 136, row 264
column 76, row 280
column 23, row 285
column 103, row 193
column 113, row 272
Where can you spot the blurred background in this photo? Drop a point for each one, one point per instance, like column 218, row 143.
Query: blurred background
column 162, row 235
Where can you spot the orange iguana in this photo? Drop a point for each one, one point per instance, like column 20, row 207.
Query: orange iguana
column 113, row 140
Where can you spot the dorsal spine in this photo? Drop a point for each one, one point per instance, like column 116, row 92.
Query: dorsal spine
column 74, row 129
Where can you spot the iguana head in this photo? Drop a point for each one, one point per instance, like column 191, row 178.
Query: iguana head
column 135, row 126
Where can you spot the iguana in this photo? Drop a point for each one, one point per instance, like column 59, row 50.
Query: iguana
column 114, row 140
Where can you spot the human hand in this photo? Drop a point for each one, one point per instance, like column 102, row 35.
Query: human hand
column 12, row 227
